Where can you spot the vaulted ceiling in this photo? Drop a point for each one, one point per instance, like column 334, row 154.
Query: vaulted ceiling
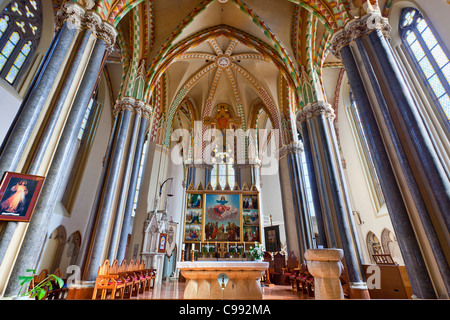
column 264, row 59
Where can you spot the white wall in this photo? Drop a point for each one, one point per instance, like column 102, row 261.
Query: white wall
column 270, row 199
column 9, row 105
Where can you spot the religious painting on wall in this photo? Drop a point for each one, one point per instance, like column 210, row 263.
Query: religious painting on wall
column 162, row 243
column 249, row 202
column 272, row 237
column 222, row 217
column 194, row 201
column 250, row 218
column 193, row 217
column 18, row 196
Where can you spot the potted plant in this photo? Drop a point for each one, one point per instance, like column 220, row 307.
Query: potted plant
column 38, row 290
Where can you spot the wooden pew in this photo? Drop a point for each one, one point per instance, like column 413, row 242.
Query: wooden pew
column 279, row 264
column 123, row 273
column 127, row 279
column 57, row 292
column 149, row 274
column 290, row 269
column 38, row 278
column 108, row 281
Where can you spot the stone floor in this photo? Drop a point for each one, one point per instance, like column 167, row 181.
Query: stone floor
column 173, row 290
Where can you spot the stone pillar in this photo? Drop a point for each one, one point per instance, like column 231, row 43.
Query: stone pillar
column 35, row 237
column 107, row 193
column 321, row 239
column 326, row 267
column 132, row 188
column 386, row 140
column 130, row 166
column 299, row 232
column 338, row 220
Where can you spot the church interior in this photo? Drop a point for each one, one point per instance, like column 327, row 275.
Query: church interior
column 224, row 149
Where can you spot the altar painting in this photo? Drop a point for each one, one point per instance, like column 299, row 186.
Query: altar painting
column 222, row 217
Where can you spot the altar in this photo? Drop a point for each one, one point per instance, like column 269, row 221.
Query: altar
column 219, row 280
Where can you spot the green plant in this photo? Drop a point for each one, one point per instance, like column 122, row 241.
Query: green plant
column 40, row 289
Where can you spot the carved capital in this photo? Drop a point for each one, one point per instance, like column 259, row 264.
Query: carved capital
column 357, row 28
column 133, row 105
column 79, row 17
column 315, row 109
column 292, row 148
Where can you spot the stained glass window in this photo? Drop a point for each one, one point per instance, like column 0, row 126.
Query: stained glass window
column 365, row 156
column 20, row 31
column 223, row 170
column 429, row 57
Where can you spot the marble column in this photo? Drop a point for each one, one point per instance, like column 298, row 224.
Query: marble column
column 127, row 189
column 319, row 117
column 35, row 237
column 79, row 34
column 321, row 239
column 388, row 145
column 106, row 195
column 299, row 232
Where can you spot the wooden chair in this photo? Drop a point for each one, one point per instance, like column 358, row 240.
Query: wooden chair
column 38, row 278
column 133, row 278
column 57, row 292
column 384, row 259
column 108, row 281
column 265, row 280
column 345, row 282
column 140, row 276
column 302, row 278
column 149, row 276
column 128, row 280
column 290, row 269
column 279, row 264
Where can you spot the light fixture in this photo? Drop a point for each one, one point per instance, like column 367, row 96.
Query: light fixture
column 170, row 193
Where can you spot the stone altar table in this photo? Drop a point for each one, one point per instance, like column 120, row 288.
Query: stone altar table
column 244, row 279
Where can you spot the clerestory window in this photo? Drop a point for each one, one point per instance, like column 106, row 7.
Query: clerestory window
column 20, row 31
column 430, row 58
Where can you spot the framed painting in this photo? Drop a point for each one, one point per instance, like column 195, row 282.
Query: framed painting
column 194, row 201
column 251, row 234
column 162, row 242
column 18, row 196
column 249, row 202
column 250, row 217
column 222, row 217
column 193, row 224
column 272, row 237
column 192, row 232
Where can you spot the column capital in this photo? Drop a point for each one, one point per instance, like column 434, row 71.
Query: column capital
column 359, row 27
column 256, row 163
column 292, row 148
column 315, row 109
column 80, row 17
column 203, row 165
column 133, row 105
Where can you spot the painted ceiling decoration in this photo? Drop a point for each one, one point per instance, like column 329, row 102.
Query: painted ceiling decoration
column 226, row 52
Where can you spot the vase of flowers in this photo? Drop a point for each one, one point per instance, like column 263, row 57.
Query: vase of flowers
column 256, row 252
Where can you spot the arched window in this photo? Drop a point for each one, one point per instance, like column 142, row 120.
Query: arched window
column 373, row 182
column 20, row 31
column 223, row 171
column 429, row 58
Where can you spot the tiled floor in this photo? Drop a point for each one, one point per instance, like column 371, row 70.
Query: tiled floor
column 174, row 290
